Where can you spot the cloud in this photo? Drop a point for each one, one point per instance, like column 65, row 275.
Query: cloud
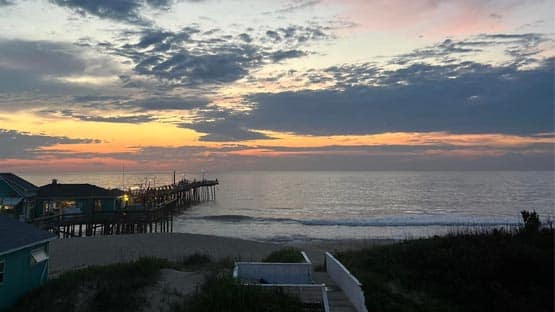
column 192, row 58
column 461, row 98
column 6, row 3
column 135, row 119
column 94, row 107
column 41, row 66
column 23, row 145
column 294, row 35
column 167, row 103
column 289, row 54
column 225, row 132
column 119, row 10
column 348, row 74
column 299, row 5
column 41, row 57
column 245, row 37
column 96, row 98
column 225, row 126
column 496, row 16
column 520, row 48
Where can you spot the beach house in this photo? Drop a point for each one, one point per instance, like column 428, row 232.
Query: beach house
column 58, row 198
column 23, row 259
column 16, row 196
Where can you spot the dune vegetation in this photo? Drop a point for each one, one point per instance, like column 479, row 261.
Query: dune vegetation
column 495, row 270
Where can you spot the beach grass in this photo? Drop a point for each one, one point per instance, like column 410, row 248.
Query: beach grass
column 194, row 262
column 223, row 293
column 119, row 287
column 285, row 255
column 483, row 271
column 113, row 287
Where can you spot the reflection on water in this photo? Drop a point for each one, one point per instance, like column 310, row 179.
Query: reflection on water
column 330, row 205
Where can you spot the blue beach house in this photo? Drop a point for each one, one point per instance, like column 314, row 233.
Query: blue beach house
column 61, row 198
column 23, row 259
column 16, row 196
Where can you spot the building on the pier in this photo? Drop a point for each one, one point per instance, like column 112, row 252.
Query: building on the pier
column 23, row 259
column 61, row 198
column 16, row 196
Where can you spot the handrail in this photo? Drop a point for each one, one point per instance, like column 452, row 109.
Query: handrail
column 349, row 284
column 121, row 213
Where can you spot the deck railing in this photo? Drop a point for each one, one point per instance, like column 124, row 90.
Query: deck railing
column 348, row 283
column 158, row 205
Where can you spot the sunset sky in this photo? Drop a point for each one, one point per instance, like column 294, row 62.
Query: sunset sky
column 293, row 84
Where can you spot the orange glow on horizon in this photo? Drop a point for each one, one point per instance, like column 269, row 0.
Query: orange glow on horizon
column 114, row 143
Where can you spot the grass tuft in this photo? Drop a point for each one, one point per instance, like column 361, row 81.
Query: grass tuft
column 223, row 293
column 113, row 287
column 487, row 271
column 286, row 255
column 194, row 262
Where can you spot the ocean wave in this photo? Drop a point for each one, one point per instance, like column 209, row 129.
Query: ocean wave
column 226, row 218
column 408, row 222
column 393, row 221
column 289, row 238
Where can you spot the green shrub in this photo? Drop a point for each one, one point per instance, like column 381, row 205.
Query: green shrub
column 488, row 271
column 531, row 220
column 286, row 255
column 113, row 287
column 195, row 261
column 222, row 293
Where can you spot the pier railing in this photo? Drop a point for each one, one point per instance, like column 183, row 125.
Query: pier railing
column 157, row 208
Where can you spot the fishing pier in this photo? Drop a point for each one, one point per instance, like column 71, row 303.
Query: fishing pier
column 144, row 210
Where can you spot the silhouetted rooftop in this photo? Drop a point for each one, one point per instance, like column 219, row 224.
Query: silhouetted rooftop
column 18, row 184
column 59, row 190
column 15, row 235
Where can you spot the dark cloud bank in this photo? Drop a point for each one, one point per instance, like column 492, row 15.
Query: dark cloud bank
column 22, row 145
column 462, row 98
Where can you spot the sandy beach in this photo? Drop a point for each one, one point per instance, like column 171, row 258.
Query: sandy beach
column 75, row 253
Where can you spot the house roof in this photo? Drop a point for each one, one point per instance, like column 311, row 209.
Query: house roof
column 59, row 190
column 117, row 192
column 22, row 187
column 15, row 235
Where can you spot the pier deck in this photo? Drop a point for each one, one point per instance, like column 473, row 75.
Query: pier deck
column 157, row 208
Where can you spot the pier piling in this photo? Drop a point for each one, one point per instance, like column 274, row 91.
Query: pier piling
column 160, row 204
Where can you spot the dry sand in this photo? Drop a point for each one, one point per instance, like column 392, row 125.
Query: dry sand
column 75, row 253
column 173, row 286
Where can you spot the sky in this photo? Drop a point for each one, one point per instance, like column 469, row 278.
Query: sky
column 222, row 85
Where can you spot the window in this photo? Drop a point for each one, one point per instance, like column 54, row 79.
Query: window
column 97, row 205
column 7, row 208
column 68, row 204
column 2, row 271
column 38, row 255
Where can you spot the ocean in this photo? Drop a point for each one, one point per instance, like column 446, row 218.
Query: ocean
column 308, row 205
